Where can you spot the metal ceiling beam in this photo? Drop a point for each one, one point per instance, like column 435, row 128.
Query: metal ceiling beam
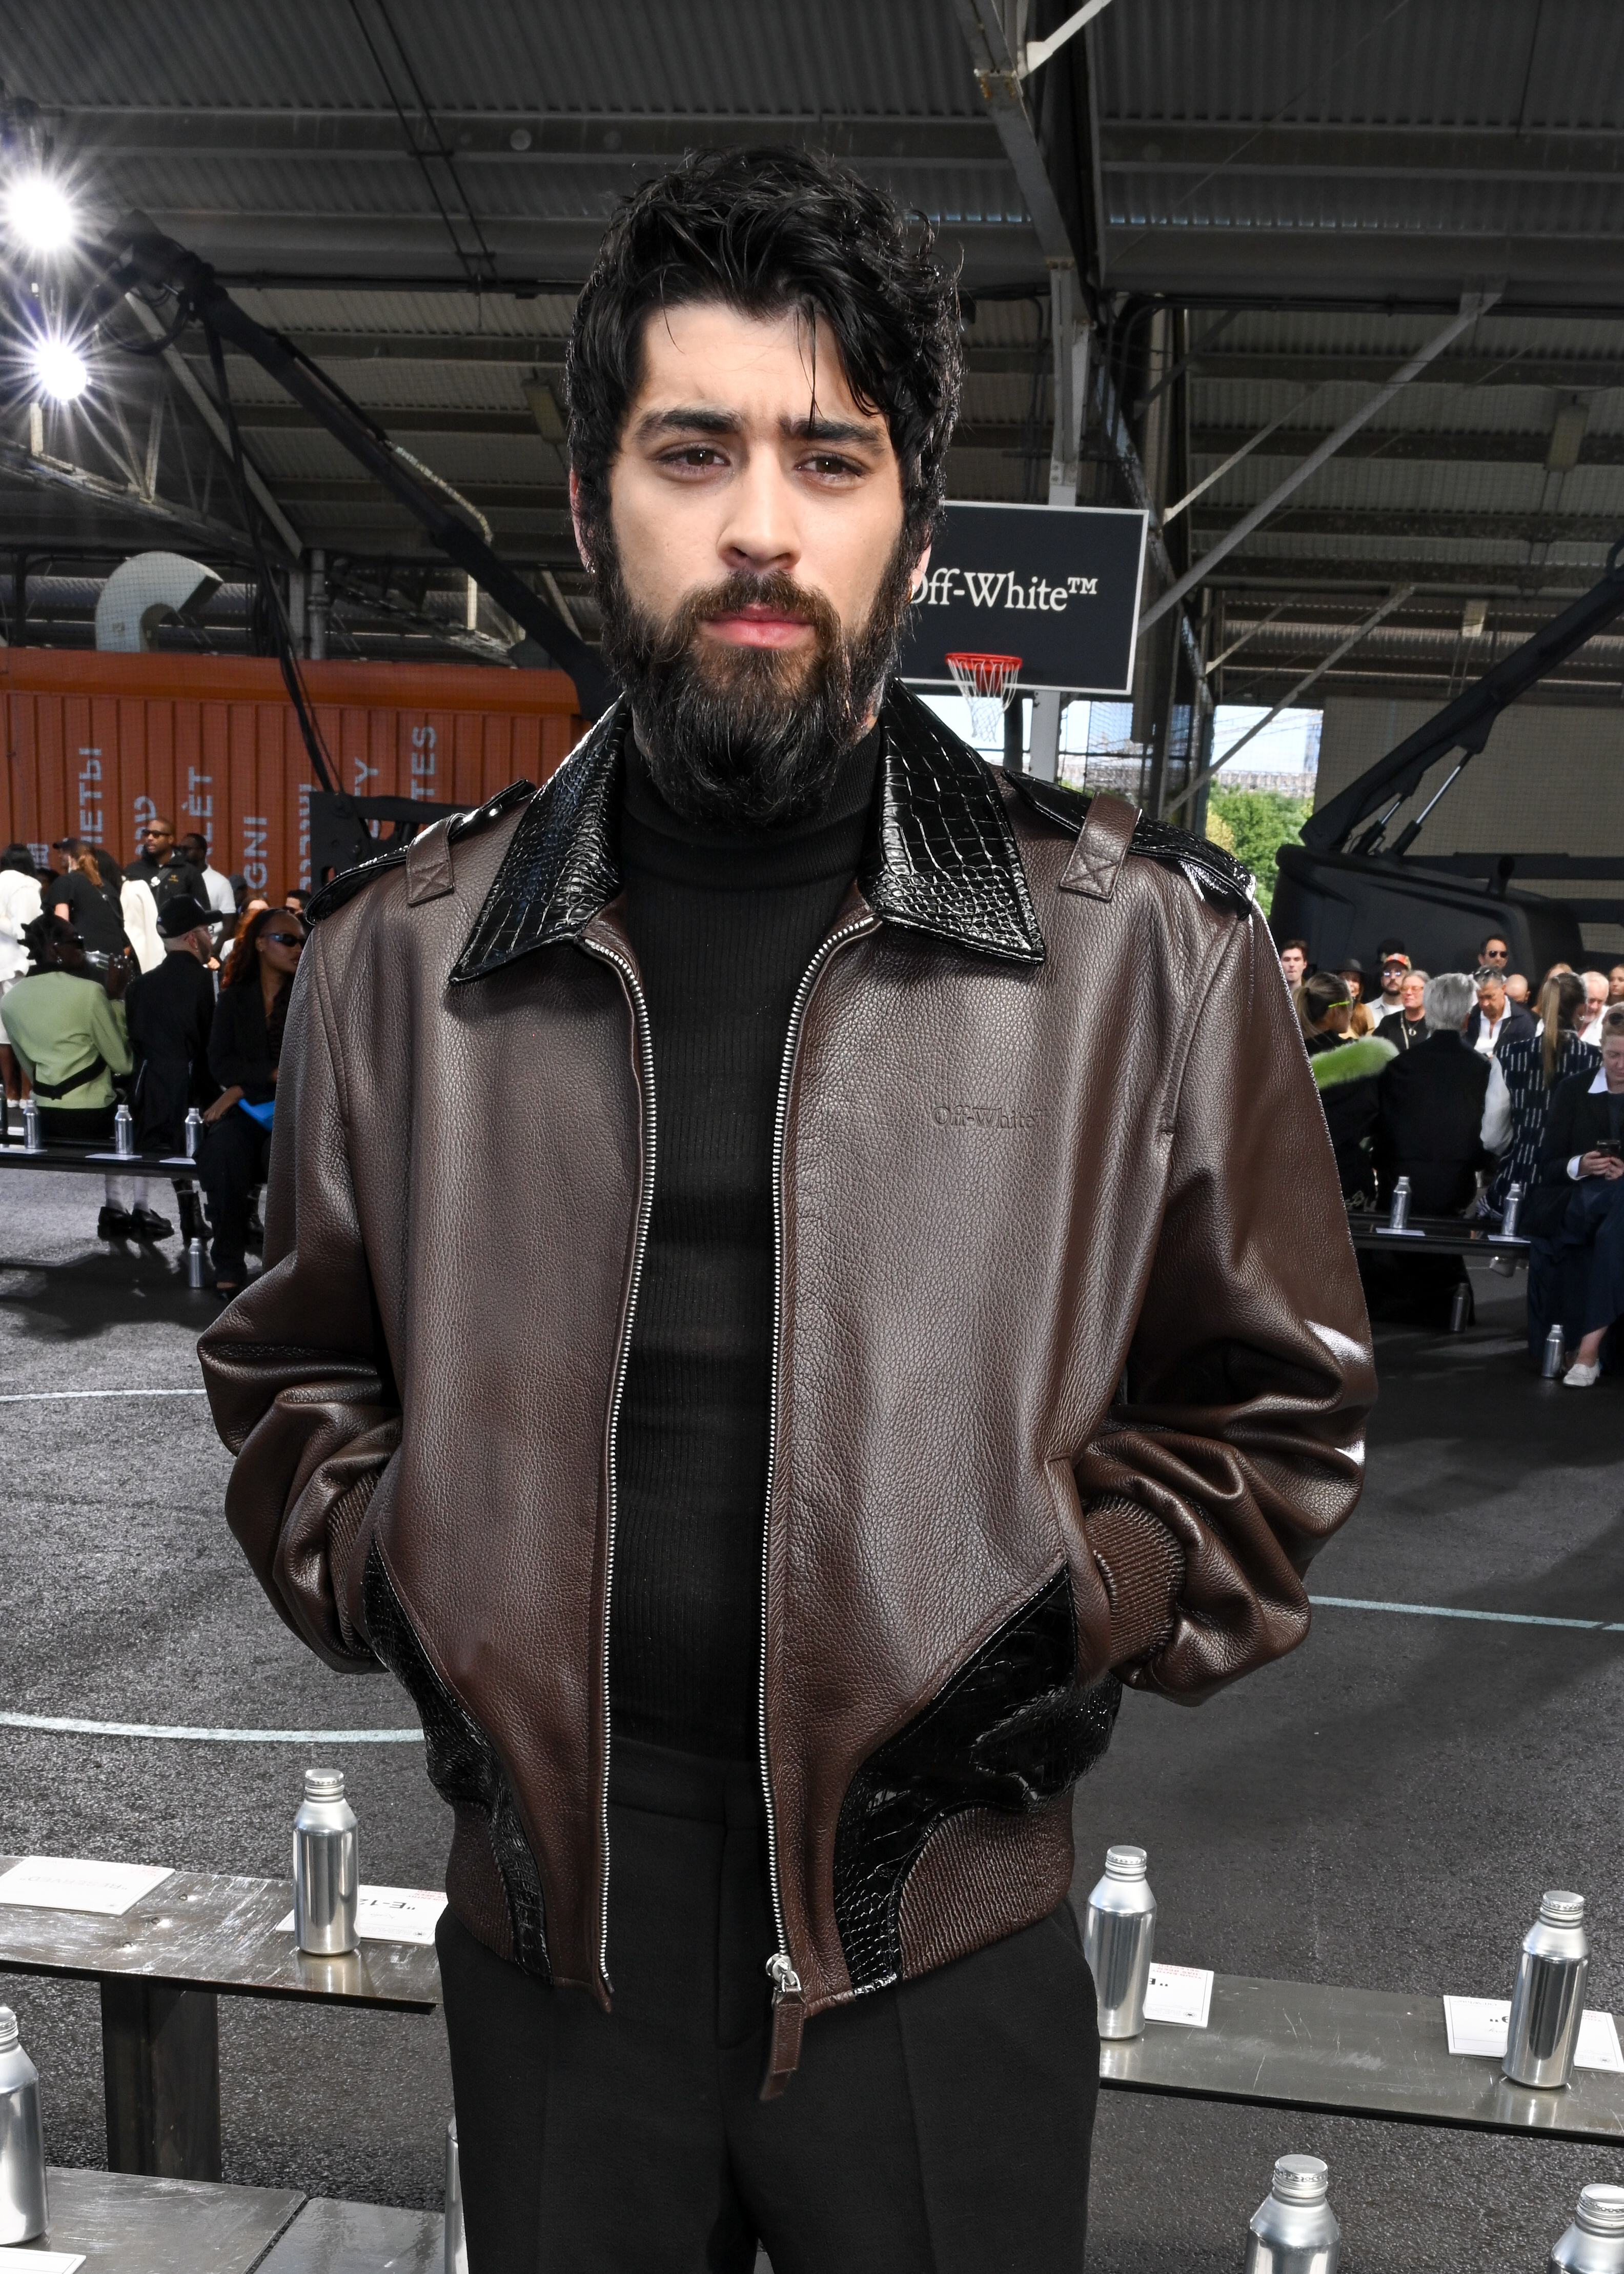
column 1199, row 781
column 43, row 471
column 1275, row 259
column 1472, row 306
column 1486, row 447
column 1409, row 523
column 1509, row 367
column 486, row 137
column 1157, row 146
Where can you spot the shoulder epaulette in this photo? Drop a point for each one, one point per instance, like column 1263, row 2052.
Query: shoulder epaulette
column 344, row 886
column 1217, row 875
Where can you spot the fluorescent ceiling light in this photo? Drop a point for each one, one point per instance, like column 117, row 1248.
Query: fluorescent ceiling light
column 40, row 213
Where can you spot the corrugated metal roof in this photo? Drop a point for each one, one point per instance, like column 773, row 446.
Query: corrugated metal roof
column 727, row 58
column 1462, row 210
column 1472, row 62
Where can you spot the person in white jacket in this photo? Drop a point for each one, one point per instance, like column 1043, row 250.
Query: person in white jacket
column 139, row 908
column 20, row 903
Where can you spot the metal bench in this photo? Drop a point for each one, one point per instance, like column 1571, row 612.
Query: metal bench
column 1433, row 1235
column 163, row 1965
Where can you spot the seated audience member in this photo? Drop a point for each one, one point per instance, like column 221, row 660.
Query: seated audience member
column 1496, row 1019
column 1516, row 990
column 19, row 907
column 297, row 900
column 170, row 1012
column 1595, row 1007
column 1444, row 1113
column 244, row 1050
column 256, row 906
column 1395, row 970
column 1580, row 1201
column 1407, row 1026
column 1532, row 1064
column 1351, row 973
column 1346, row 1070
column 1494, row 952
column 1293, row 961
column 1615, row 985
column 67, row 1028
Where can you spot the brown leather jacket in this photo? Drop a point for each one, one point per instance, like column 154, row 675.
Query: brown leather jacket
column 1071, row 1360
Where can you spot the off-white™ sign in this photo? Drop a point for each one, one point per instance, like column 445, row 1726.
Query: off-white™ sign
column 77, row 1883
column 391, row 1915
column 1179, row 1993
column 40, row 2262
column 1056, row 585
column 1479, row 2025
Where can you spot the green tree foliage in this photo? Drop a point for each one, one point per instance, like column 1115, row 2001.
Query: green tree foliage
column 1253, row 824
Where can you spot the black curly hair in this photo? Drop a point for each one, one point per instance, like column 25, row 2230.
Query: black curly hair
column 763, row 231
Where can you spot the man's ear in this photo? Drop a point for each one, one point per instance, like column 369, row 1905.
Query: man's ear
column 920, row 568
column 580, row 526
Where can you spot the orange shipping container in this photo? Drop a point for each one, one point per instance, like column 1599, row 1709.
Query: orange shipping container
column 96, row 744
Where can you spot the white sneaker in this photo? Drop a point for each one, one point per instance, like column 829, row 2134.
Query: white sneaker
column 1579, row 1377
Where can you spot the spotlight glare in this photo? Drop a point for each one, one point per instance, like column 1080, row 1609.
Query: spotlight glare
column 61, row 371
column 40, row 213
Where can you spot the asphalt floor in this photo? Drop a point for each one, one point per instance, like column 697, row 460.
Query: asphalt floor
column 1383, row 1809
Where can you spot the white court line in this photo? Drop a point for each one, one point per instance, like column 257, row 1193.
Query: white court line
column 64, row 1724
column 43, row 1397
column 1439, row 1611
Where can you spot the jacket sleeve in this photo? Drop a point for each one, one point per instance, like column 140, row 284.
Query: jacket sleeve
column 109, row 1031
column 296, row 1372
column 1559, row 1146
column 1238, row 1446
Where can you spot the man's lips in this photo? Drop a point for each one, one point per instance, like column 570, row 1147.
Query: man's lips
column 758, row 628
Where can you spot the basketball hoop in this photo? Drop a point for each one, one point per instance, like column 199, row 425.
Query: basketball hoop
column 985, row 682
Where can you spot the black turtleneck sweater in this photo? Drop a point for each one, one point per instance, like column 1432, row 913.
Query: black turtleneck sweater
column 724, row 927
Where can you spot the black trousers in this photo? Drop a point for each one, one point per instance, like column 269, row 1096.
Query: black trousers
column 1591, row 1247
column 234, row 1157
column 940, row 2127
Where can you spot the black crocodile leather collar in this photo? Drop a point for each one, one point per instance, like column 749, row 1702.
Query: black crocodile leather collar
column 941, row 855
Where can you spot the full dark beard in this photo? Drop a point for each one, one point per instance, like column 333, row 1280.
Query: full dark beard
column 748, row 738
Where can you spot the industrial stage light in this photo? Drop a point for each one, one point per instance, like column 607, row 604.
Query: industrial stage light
column 60, row 369
column 40, row 213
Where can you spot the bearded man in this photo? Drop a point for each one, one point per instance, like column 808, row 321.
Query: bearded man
column 776, row 1305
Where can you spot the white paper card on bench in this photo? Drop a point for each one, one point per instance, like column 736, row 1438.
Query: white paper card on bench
column 1179, row 1993
column 391, row 1915
column 40, row 2262
column 80, row 1883
column 1478, row 2025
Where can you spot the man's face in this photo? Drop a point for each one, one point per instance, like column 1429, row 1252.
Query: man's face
column 1495, row 951
column 1615, row 983
column 1393, row 980
column 1595, row 997
column 754, row 590
column 1294, row 963
column 1612, row 1060
column 195, row 849
column 158, row 839
column 1491, row 999
column 1412, row 993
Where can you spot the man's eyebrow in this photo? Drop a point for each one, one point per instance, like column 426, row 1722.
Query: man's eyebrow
column 866, row 434
column 692, row 419
column 687, row 419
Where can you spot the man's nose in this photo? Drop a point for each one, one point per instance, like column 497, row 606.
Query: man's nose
column 761, row 530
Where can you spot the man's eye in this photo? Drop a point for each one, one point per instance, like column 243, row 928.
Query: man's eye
column 699, row 455
column 825, row 465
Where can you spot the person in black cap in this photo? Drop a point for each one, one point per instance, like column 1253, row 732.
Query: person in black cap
column 170, row 1011
column 1362, row 1018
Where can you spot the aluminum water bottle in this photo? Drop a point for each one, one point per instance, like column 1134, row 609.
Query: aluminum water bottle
column 32, row 1142
column 1594, row 2244
column 194, row 1135
column 23, row 2213
column 123, row 1132
column 1551, row 1363
column 194, row 1262
column 1514, row 1209
column 1119, row 1939
column 1398, row 1213
column 1549, row 1997
column 1293, row 2230
column 456, row 2240
column 327, row 1866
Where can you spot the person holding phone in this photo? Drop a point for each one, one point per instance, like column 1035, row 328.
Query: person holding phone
column 1580, row 1199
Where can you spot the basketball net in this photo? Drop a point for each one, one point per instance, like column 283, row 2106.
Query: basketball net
column 985, row 682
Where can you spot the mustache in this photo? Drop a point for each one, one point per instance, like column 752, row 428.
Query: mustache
column 776, row 590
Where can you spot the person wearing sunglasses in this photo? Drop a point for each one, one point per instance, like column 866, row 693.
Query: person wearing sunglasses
column 244, row 1050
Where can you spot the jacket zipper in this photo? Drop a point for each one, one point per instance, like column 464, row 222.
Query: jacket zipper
column 645, row 1204
column 788, row 2009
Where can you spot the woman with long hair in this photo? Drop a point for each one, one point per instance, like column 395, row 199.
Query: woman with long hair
column 244, row 1053
column 1533, row 1065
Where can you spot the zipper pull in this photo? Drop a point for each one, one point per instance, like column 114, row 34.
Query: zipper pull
column 789, row 2014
